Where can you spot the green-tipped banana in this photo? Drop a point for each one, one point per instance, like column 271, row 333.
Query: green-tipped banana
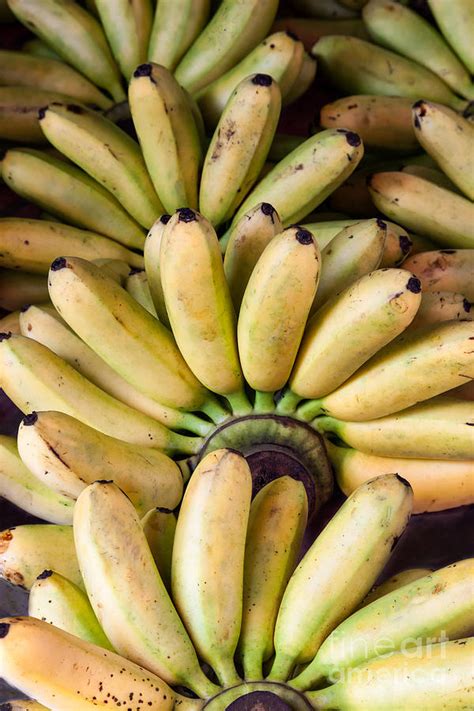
column 339, row 569
column 275, row 308
column 137, row 286
column 277, row 521
column 127, row 25
column 107, row 154
column 239, row 146
column 176, row 25
column 396, row 582
column 247, row 240
column 18, row 288
column 425, row 208
column 168, row 135
column 442, row 306
column 236, row 27
column 25, row 551
column 75, row 35
column 153, row 269
column 159, row 526
column 67, row 455
column 445, row 269
column 448, row 138
column 22, row 488
column 54, row 599
column 359, row 67
column 68, row 193
column 404, row 31
column 208, row 558
column 455, row 22
column 141, row 622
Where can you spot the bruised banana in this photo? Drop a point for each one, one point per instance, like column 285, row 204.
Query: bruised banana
column 176, row 25
column 442, row 306
column 151, row 255
column 455, row 22
column 445, row 269
column 137, row 286
column 159, row 527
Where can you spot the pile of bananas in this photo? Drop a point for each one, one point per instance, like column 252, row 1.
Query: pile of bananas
column 184, row 297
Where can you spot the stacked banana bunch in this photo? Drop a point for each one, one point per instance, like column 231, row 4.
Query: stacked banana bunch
column 145, row 610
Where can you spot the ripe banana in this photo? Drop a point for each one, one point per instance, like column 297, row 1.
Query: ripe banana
column 66, row 455
column 153, row 269
column 57, row 601
column 277, row 521
column 339, row 569
column 445, row 269
column 208, row 558
column 137, row 286
column 18, row 288
column 239, row 147
column 143, row 626
column 236, row 27
column 76, row 36
column 159, row 527
column 448, row 138
column 22, row 488
column 437, row 484
column 106, row 153
column 403, row 30
column 176, row 25
column 246, row 242
column 394, row 583
column 434, row 175
column 275, row 308
column 31, row 245
column 442, row 306
column 25, row 551
column 455, row 22
column 168, row 135
column 68, row 193
column 424, row 207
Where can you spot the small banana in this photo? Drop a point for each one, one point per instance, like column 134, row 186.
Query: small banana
column 137, row 286
column 339, row 569
column 168, row 135
column 18, row 288
column 159, row 526
column 208, row 558
column 455, row 22
column 437, row 484
column 127, row 25
column 396, row 582
column 176, row 25
column 434, row 175
column 444, row 269
column 106, row 153
column 66, row 455
column 277, row 521
column 130, row 600
column 424, row 207
column 153, row 269
column 442, row 306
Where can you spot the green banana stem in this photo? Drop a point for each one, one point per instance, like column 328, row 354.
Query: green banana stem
column 213, row 409
column 288, row 403
column 239, row 403
column 224, row 240
column 309, row 410
column 264, row 402
column 183, row 444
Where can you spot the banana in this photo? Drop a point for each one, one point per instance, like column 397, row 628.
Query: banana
column 304, row 79
column 304, row 179
column 25, row 551
column 444, row 269
column 10, row 323
column 455, row 22
column 66, row 455
column 21, row 69
column 430, row 678
column 437, row 484
column 137, row 345
column 434, row 175
column 339, row 569
column 398, row 245
column 199, row 304
column 324, row 231
column 137, row 286
column 31, row 245
column 277, row 522
column 168, row 135
column 153, row 269
column 239, row 147
column 22, row 488
column 37, row 379
column 68, row 193
column 176, row 25
column 246, row 242
column 275, row 308
column 159, row 526
column 359, row 67
column 141, row 622
column 18, row 288
column 382, row 122
column 424, row 207
column 236, row 28
column 88, row 677
column 22, row 705
column 448, row 138
column 106, row 153
column 440, row 428
column 38, row 48
column 280, row 56
column 57, row 601
column 309, row 29
column 394, row 583
column 403, row 30
column 282, row 145
column 442, row 306
column 208, row 558
column 127, row 25
column 76, row 36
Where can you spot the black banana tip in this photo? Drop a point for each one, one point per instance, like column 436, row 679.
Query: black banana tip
column 5, row 336
column 304, row 236
column 135, row 270
column 6, row 707
column 25, row 308
column 403, row 481
column 420, row 107
column 45, row 574
column 405, row 243
column 162, row 509
column 104, row 481
column 42, row 113
column 185, row 214
column 30, row 419
column 75, row 109
column 164, row 219
column 59, row 263
column 381, row 224
column 4, row 629
column 267, row 209
column 414, row 285
column 352, row 138
column 293, row 35
column 262, row 80
column 143, row 70
column 466, row 305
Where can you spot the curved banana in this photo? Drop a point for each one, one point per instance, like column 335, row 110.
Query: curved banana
column 168, row 135
column 444, row 269
column 137, row 286
column 159, row 527
column 303, row 80
column 106, row 153
column 277, row 521
column 18, row 288
column 68, row 193
column 144, row 627
column 176, row 25
column 455, row 22
column 437, row 484
column 397, row 581
column 442, row 306
column 76, row 36
column 208, row 558
column 127, row 25
column 339, row 569
column 151, row 254
column 424, row 207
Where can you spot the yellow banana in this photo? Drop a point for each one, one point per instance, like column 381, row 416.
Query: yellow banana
column 153, row 268
column 394, row 583
column 18, row 288
column 137, row 286
column 442, row 306
column 455, row 22
column 304, row 79
column 176, row 25
column 159, row 526
column 445, row 269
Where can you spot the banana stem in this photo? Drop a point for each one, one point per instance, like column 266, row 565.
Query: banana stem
column 194, row 424
column 224, row 240
column 264, row 402
column 253, row 667
column 309, row 410
column 117, row 92
column 324, row 698
column 288, row 403
column 183, row 703
column 213, row 409
column 239, row 404
column 226, row 672
column 281, row 668
column 182, row 444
